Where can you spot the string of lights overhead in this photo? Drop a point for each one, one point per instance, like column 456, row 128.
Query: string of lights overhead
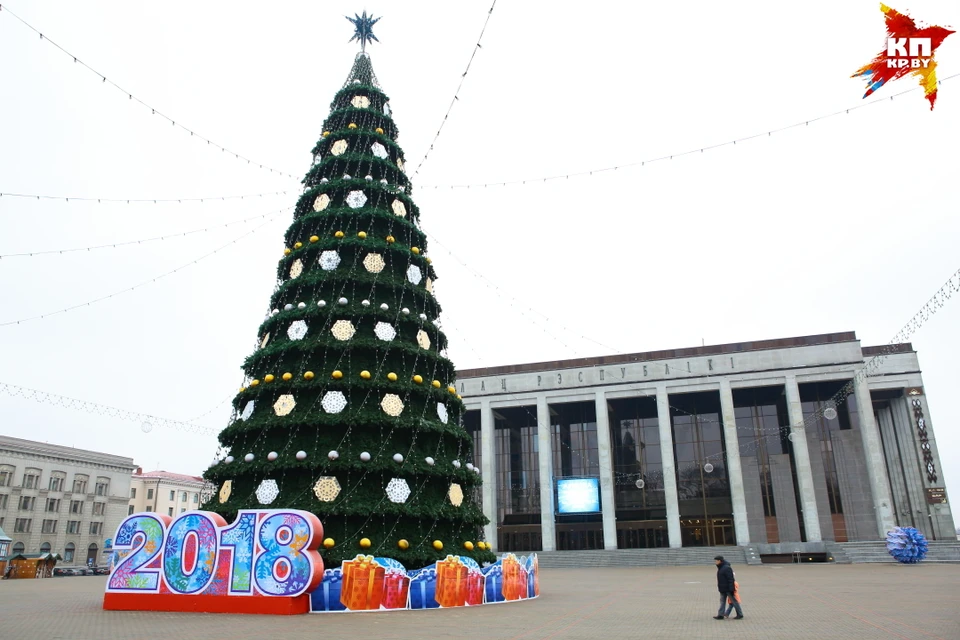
column 518, row 304
column 125, row 243
column 680, row 154
column 153, row 110
column 456, row 94
column 145, row 282
column 147, row 421
column 34, row 196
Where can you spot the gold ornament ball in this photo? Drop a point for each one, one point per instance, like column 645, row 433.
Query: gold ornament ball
column 365, row 374
column 308, row 375
column 436, row 384
column 459, row 397
column 391, row 239
column 365, row 543
column 287, row 377
column 480, row 545
column 416, row 250
column 429, row 261
column 298, row 245
column 325, row 134
column 254, row 383
column 437, row 545
column 268, row 377
column 352, row 125
column 379, row 130
column 328, row 543
column 418, row 379
column 338, row 234
column 314, row 238
column 287, row 252
column 452, row 389
column 403, row 544
column 242, row 389
column 362, row 234
column 468, row 545
column 392, row 377
column 336, row 375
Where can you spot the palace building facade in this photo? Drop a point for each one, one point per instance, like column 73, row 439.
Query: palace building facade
column 758, row 443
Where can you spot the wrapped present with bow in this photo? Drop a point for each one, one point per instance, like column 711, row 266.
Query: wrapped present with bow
column 451, row 582
column 493, row 582
column 514, row 578
column 326, row 597
column 362, row 587
column 396, row 588
column 423, row 589
column 533, row 576
column 475, row 584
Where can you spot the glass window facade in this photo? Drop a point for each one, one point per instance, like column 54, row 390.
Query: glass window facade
column 576, row 454
column 517, row 479
column 471, row 424
column 706, row 510
column 816, row 398
column 638, row 473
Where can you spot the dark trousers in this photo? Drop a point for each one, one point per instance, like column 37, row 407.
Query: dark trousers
column 725, row 609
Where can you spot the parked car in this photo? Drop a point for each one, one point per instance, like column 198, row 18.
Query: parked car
column 102, row 571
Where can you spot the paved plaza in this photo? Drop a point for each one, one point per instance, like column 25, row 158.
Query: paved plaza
column 780, row 601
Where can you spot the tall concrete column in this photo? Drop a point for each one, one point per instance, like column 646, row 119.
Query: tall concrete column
column 548, row 528
column 607, row 500
column 873, row 452
column 488, row 470
column 801, row 457
column 669, row 467
column 734, row 470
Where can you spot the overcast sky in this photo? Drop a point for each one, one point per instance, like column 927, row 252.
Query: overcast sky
column 850, row 223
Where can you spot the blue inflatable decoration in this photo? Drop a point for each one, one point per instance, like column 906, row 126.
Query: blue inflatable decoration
column 906, row 545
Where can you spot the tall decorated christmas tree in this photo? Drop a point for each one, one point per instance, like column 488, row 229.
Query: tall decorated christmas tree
column 349, row 409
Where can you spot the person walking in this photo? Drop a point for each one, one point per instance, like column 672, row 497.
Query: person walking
column 725, row 585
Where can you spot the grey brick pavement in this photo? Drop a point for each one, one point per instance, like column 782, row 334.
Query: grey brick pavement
column 780, row 601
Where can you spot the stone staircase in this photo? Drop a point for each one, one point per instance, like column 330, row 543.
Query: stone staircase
column 876, row 551
column 686, row 556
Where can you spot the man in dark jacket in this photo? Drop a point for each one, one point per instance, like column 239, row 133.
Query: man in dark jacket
column 725, row 585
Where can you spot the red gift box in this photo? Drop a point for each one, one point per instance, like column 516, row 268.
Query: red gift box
column 396, row 587
column 362, row 584
column 474, row 588
column 451, row 582
column 514, row 578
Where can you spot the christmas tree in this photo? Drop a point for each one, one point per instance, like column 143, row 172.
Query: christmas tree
column 349, row 408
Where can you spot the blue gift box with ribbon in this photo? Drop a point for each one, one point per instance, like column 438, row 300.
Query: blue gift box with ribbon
column 326, row 597
column 493, row 582
column 423, row 588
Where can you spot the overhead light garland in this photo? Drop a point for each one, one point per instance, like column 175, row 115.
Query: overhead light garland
column 145, row 282
column 456, row 94
column 153, row 110
column 125, row 243
column 34, row 196
column 591, row 172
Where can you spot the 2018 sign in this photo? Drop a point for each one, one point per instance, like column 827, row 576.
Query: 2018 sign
column 265, row 562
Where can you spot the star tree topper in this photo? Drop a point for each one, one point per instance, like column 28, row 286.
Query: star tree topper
column 363, row 29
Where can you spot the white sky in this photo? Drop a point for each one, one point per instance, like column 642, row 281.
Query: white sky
column 848, row 224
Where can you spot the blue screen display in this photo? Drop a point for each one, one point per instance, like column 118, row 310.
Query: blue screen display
column 578, row 495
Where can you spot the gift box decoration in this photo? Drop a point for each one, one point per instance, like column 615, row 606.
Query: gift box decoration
column 396, row 589
column 362, row 587
column 493, row 583
column 533, row 576
column 326, row 597
column 423, row 589
column 514, row 578
column 451, row 582
column 474, row 588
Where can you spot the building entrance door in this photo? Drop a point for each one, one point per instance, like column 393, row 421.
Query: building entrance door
column 710, row 532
